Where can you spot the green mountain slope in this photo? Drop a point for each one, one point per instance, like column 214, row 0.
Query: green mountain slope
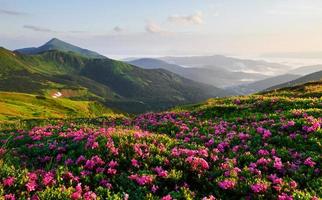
column 116, row 84
column 26, row 106
column 261, row 85
column 56, row 44
column 316, row 76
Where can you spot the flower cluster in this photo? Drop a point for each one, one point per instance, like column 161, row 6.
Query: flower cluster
column 258, row 147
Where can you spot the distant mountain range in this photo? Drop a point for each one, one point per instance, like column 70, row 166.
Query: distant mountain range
column 216, row 76
column 230, row 64
column 56, row 44
column 114, row 83
column 235, row 75
column 261, row 85
column 316, row 76
column 306, row 70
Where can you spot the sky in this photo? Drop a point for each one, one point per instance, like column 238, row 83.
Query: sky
column 167, row 27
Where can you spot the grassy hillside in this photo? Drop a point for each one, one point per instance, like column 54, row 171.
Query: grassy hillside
column 15, row 106
column 316, row 76
column 113, row 83
column 263, row 146
column 261, row 85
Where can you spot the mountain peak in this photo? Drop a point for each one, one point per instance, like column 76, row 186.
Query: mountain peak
column 59, row 45
column 54, row 40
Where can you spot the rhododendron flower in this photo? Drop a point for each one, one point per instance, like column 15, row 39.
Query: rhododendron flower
column 31, row 186
column 211, row 197
column 278, row 163
column 48, row 179
column 78, row 192
column 227, row 184
column 197, row 164
column 10, row 197
column 9, row 181
column 135, row 163
column 90, row 195
column 113, row 164
column 142, row 180
column 161, row 172
column 154, row 188
column 259, row 187
column 309, row 162
column 81, row 159
column 111, row 171
column 167, row 197
column 284, row 196
column 293, row 184
column 106, row 184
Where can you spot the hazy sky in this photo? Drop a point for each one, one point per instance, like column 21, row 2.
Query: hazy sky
column 166, row 27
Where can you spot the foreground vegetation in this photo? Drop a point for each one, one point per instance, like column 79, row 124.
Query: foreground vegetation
column 264, row 146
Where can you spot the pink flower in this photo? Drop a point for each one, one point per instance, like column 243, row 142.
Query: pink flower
column 113, row 164
column 278, row 163
column 90, row 195
column 135, row 163
column 211, row 197
column 31, row 186
column 168, row 197
column 259, row 187
column 106, row 184
column 154, row 188
column 78, row 193
column 227, row 184
column 81, row 159
column 111, row 171
column 161, row 172
column 293, row 184
column 48, row 179
column 9, row 197
column 197, row 164
column 142, row 180
column 284, row 196
column 9, row 181
column 309, row 162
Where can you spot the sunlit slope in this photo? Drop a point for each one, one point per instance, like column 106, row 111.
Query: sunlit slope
column 26, row 106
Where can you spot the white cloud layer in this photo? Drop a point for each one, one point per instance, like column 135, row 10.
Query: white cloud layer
column 39, row 29
column 196, row 18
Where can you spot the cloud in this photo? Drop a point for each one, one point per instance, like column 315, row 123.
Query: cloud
column 290, row 8
column 39, row 29
column 11, row 12
column 118, row 29
column 196, row 18
column 152, row 27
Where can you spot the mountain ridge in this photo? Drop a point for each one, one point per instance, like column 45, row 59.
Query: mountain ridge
column 57, row 44
column 132, row 90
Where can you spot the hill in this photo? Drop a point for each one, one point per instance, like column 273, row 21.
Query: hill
column 216, row 76
column 263, row 146
column 261, row 85
column 56, row 44
column 229, row 63
column 306, row 70
column 116, row 84
column 316, row 76
column 14, row 106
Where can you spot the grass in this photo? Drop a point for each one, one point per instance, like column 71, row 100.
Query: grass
column 15, row 106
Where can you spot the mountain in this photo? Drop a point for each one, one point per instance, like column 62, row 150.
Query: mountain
column 117, row 85
column 316, row 76
column 258, row 86
column 229, row 63
column 56, row 44
column 306, row 70
column 215, row 76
